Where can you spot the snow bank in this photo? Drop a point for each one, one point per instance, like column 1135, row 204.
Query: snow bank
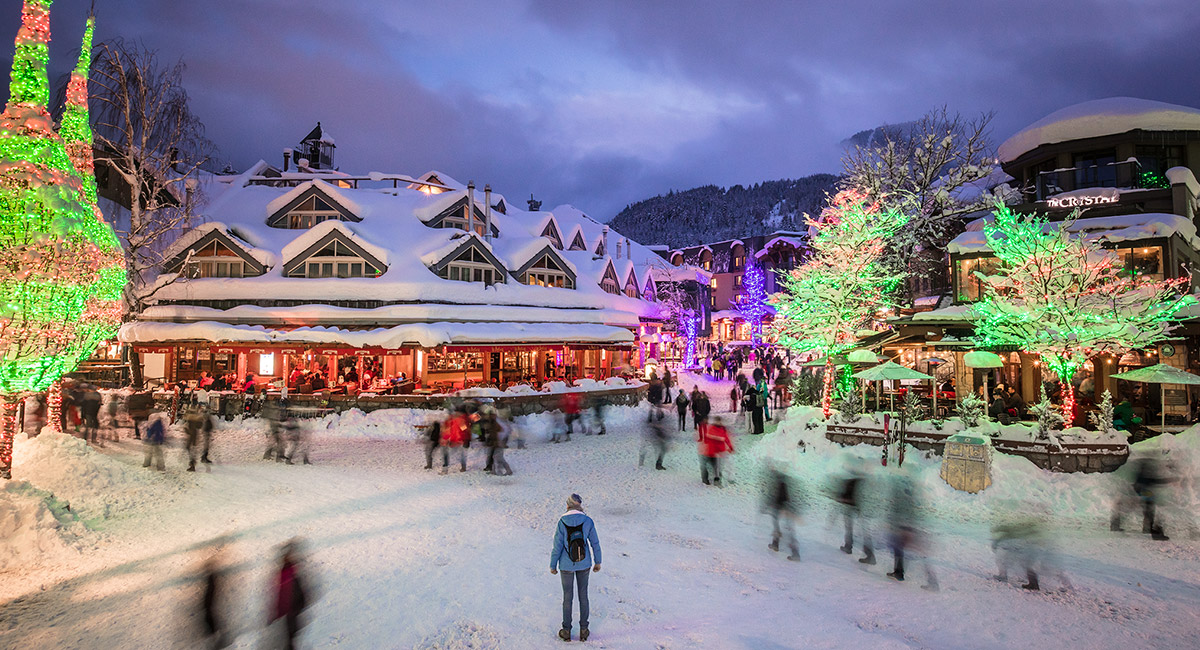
column 33, row 526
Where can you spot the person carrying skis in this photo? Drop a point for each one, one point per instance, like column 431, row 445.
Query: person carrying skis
column 570, row 555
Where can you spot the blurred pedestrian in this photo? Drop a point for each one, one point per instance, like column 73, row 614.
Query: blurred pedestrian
column 291, row 597
column 571, row 408
column 504, row 429
column 273, row 414
column 212, row 577
column 455, row 432
column 574, row 536
column 1149, row 479
column 155, row 436
column 850, row 496
column 781, row 503
column 755, row 402
column 714, row 442
column 904, row 530
column 654, row 394
column 597, row 404
column 655, row 439
column 89, row 409
column 431, row 439
column 193, row 422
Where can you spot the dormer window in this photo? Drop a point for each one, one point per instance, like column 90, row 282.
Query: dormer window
column 551, row 232
column 473, row 266
column 608, row 281
column 311, row 212
column 601, row 249
column 335, row 255
column 455, row 216
column 215, row 260
column 546, row 273
column 458, row 221
column 309, row 204
column 577, row 242
column 631, row 288
column 648, row 294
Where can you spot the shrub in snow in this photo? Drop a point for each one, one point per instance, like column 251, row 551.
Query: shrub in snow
column 1048, row 417
column 971, row 409
column 1102, row 417
column 849, row 407
column 911, row 410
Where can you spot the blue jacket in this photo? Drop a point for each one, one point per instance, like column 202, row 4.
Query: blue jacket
column 156, row 432
column 559, row 559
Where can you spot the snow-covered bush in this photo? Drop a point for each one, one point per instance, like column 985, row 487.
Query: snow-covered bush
column 971, row 409
column 850, row 407
column 1048, row 417
column 1102, row 418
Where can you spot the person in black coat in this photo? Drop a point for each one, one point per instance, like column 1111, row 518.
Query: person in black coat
column 701, row 408
column 780, row 503
column 754, row 401
column 681, row 408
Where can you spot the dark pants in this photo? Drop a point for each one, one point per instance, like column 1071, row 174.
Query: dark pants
column 756, row 420
column 569, row 580
column 429, row 447
column 708, row 463
column 682, row 420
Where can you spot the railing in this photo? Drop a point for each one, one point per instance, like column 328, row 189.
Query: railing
column 1126, row 174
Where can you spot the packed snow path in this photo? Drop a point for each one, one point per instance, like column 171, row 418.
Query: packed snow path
column 406, row 558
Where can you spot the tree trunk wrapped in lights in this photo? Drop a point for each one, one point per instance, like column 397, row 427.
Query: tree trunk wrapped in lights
column 1061, row 295
column 843, row 285
column 61, row 266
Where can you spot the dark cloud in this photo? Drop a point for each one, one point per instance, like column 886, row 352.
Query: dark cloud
column 603, row 103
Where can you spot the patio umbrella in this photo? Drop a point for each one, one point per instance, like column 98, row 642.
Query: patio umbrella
column 981, row 359
column 893, row 370
column 862, row 356
column 1160, row 374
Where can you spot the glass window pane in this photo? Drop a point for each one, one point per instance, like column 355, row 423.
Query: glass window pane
column 327, row 270
column 343, row 270
column 453, row 272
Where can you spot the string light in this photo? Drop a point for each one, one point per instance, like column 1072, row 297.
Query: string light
column 62, row 271
column 1063, row 297
column 843, row 285
column 752, row 304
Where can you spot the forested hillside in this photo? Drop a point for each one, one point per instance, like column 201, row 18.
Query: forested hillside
column 711, row 213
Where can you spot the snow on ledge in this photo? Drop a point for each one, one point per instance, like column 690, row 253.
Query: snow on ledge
column 1129, row 227
column 1100, row 117
column 1183, row 176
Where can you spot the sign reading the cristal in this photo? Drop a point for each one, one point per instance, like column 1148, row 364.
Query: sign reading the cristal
column 1084, row 198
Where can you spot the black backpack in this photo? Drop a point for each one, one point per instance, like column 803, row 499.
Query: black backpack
column 576, row 543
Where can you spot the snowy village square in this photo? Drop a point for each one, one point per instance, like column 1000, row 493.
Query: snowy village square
column 636, row 325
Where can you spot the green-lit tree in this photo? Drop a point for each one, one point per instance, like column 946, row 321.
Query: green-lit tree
column 1062, row 296
column 842, row 286
column 61, row 267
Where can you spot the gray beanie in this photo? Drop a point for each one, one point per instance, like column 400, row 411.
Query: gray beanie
column 574, row 502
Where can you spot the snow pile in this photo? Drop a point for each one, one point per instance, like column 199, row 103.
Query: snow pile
column 32, row 526
column 1084, row 500
column 95, row 486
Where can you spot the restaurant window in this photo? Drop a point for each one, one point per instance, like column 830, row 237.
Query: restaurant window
column 970, row 287
column 1141, row 262
column 1096, row 169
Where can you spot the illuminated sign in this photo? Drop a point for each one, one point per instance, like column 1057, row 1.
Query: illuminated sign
column 1084, row 199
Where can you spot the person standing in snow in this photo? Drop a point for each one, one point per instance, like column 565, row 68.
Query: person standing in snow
column 89, row 409
column 781, row 504
column 667, row 383
column 701, row 408
column 291, row 597
column 597, row 404
column 570, row 555
column 274, row 417
column 504, row 429
column 297, row 436
column 654, row 393
column 212, row 576
column 655, row 438
column 681, row 407
column 156, row 435
column 193, row 422
column 754, row 403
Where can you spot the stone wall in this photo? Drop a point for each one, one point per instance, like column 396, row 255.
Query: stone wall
column 1071, row 457
column 230, row 405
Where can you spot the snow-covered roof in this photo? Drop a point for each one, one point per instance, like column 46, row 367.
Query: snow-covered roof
column 1100, row 117
column 187, row 239
column 794, row 242
column 392, row 228
column 1129, row 227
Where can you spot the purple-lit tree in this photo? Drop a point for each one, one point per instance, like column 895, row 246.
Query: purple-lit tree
column 752, row 304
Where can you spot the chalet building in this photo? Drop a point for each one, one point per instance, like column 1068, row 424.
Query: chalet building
column 1129, row 166
column 725, row 261
column 304, row 271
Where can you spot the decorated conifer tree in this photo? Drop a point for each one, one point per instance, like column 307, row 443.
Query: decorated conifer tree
column 752, row 304
column 1062, row 296
column 843, row 285
column 61, row 266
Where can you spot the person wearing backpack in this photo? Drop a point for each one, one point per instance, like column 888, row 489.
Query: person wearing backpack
column 573, row 536
column 681, row 406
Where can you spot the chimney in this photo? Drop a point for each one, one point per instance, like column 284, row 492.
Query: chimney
column 534, row 204
column 618, row 249
column 604, row 239
column 470, row 206
column 487, row 212
column 287, row 157
column 628, row 249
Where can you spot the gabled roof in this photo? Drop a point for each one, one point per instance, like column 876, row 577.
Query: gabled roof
column 333, row 196
column 608, row 270
column 575, row 240
column 319, row 135
column 451, row 203
column 320, row 235
column 545, row 251
column 457, row 247
column 258, row 260
column 549, row 228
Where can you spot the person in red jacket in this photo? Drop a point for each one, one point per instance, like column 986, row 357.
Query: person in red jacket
column 572, row 406
column 455, row 431
column 714, row 440
column 291, row 599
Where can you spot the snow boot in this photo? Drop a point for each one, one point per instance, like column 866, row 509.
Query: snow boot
column 869, row 558
column 897, row 576
column 306, row 461
column 706, row 482
column 774, row 546
column 267, row 455
column 584, row 634
column 1157, row 535
column 1032, row 585
column 932, row 585
column 204, row 459
column 846, row 549
column 794, row 557
column 191, row 466
column 564, row 634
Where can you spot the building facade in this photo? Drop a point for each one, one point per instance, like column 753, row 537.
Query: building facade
column 311, row 277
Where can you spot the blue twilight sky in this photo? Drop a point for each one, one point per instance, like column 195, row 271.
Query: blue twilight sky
column 603, row 102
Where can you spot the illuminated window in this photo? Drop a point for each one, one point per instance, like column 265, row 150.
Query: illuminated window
column 311, row 212
column 970, row 287
column 546, row 273
column 473, row 266
column 215, row 261
column 266, row 364
column 335, row 260
column 712, row 283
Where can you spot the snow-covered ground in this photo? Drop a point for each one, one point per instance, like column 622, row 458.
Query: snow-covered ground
column 100, row 553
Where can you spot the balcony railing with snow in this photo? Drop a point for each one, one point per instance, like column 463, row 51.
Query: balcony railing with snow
column 1125, row 174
